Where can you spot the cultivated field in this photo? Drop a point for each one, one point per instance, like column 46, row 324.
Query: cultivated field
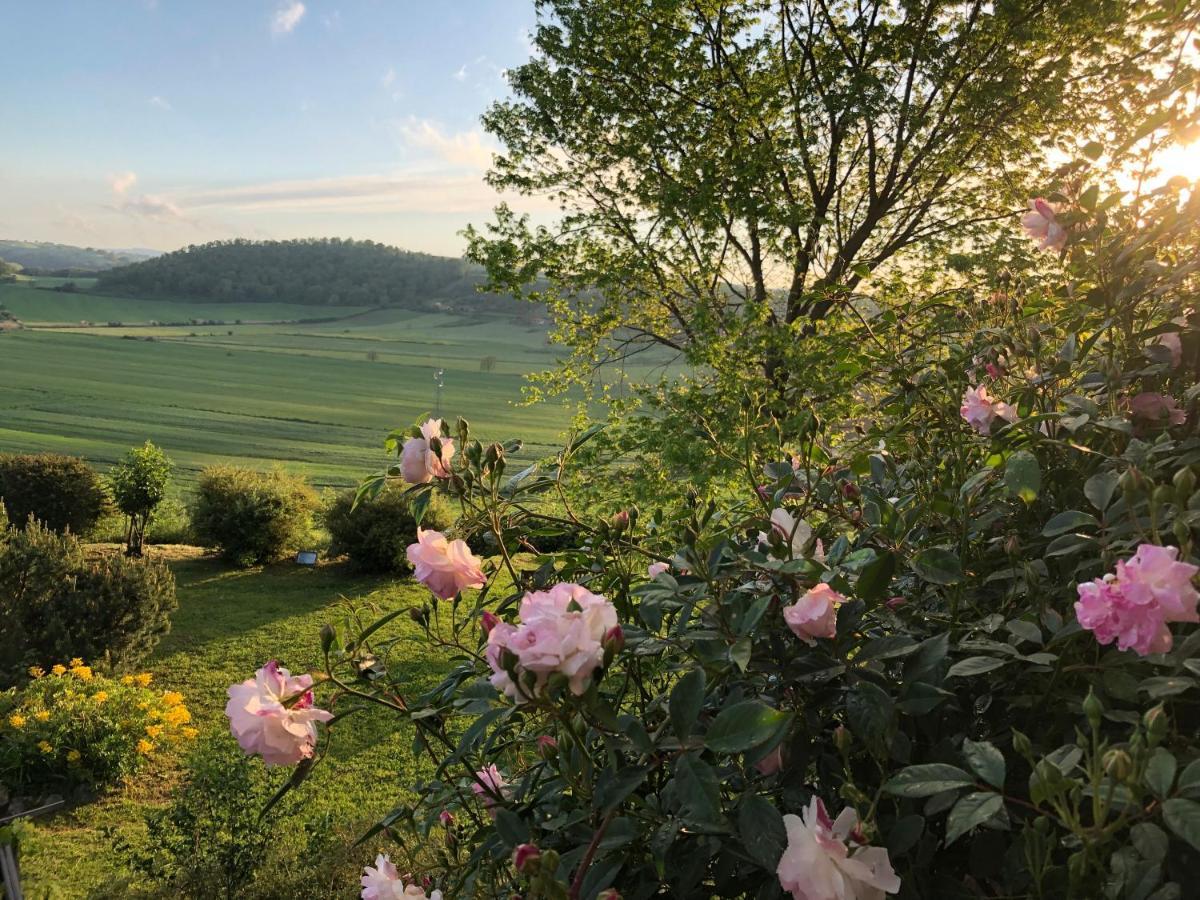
column 315, row 398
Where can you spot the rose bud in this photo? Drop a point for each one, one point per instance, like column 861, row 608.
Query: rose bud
column 547, row 747
column 614, row 640
column 446, row 818
column 894, row 602
column 525, row 856
column 609, row 894
column 489, row 621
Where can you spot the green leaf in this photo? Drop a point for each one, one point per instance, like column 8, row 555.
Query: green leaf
column 419, row 504
column 986, row 761
column 1189, row 778
column 869, row 711
column 904, row 833
column 511, row 828
column 1160, row 772
column 613, row 787
column 1069, row 520
column 1150, row 841
column 887, row 647
column 762, row 831
column 1093, row 150
column 970, row 811
column 974, row 665
column 876, row 576
column 699, row 790
column 1161, row 686
column 1023, row 476
column 938, row 566
column 926, row 780
column 743, row 725
column 1099, row 489
column 687, row 698
column 1088, row 198
column 1183, row 818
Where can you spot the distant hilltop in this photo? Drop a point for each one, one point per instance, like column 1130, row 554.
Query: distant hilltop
column 41, row 258
column 316, row 271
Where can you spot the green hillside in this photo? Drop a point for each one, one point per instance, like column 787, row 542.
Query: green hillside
column 41, row 256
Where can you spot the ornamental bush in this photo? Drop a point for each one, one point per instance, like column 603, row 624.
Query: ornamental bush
column 62, row 492
column 252, row 517
column 943, row 647
column 376, row 533
column 139, row 484
column 70, row 727
column 56, row 600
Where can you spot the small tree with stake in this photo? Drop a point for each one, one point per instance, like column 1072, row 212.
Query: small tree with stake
column 139, row 485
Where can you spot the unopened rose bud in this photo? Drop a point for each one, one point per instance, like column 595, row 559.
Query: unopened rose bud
column 489, row 620
column 419, row 615
column 609, row 894
column 1093, row 709
column 1155, row 722
column 894, row 602
column 1117, row 764
column 850, row 490
column 842, row 738
column 614, row 640
column 547, row 747
column 1185, row 483
column 620, row 521
column 1012, row 545
column 526, row 857
column 1131, row 482
column 1163, row 495
column 1021, row 743
column 446, row 818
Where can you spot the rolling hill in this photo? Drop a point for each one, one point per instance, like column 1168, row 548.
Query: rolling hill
column 39, row 257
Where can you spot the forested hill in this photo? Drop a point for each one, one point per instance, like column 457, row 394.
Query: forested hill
column 39, row 257
column 327, row 272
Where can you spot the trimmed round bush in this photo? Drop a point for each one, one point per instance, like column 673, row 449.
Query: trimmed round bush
column 62, row 492
column 376, row 535
column 252, row 517
column 57, row 603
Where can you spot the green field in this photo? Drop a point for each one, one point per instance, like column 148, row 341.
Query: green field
column 316, row 398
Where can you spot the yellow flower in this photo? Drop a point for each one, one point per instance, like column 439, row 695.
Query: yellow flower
column 144, row 747
column 100, row 696
column 143, row 704
column 189, row 732
column 83, row 673
column 73, row 756
column 126, row 679
column 76, row 662
column 42, row 715
column 45, row 747
column 143, row 679
column 16, row 720
column 172, row 698
column 58, row 669
column 177, row 715
column 153, row 730
column 37, row 671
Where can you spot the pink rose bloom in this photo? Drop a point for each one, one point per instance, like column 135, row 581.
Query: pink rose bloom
column 980, row 409
column 489, row 785
column 561, row 630
column 418, row 462
column 819, row 865
column 795, row 533
column 1150, row 411
column 815, row 614
column 445, row 567
column 1041, row 224
column 1133, row 605
column 272, row 715
column 1174, row 346
column 771, row 763
column 383, row 882
column 657, row 568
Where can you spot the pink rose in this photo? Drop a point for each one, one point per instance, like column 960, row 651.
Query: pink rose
column 561, row 630
column 525, row 855
column 490, row 786
column 445, row 567
column 980, row 409
column 815, row 614
column 819, row 865
column 1151, row 411
column 1041, row 224
column 771, row 763
column 1133, row 605
column 418, row 462
column 383, row 882
column 657, row 568
column 272, row 715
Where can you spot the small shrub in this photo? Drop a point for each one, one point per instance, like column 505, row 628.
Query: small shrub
column 252, row 517
column 62, row 492
column 139, row 484
column 376, row 535
column 54, row 602
column 70, row 727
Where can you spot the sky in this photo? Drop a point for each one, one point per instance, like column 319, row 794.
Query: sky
column 162, row 123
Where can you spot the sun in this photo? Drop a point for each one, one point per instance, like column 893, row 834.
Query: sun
column 1178, row 160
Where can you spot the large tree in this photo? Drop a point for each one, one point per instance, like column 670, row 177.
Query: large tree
column 729, row 168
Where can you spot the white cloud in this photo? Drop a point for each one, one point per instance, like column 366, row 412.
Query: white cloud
column 151, row 206
column 389, row 77
column 122, row 182
column 461, row 74
column 161, row 102
column 287, row 17
column 464, row 149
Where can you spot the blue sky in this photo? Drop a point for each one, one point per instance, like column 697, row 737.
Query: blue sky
column 135, row 123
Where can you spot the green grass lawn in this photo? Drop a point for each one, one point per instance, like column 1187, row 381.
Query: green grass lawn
column 229, row 622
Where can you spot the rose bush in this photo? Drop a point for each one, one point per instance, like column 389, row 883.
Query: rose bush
column 965, row 624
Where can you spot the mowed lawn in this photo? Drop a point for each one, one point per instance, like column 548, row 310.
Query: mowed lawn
column 229, row 622
column 314, row 399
